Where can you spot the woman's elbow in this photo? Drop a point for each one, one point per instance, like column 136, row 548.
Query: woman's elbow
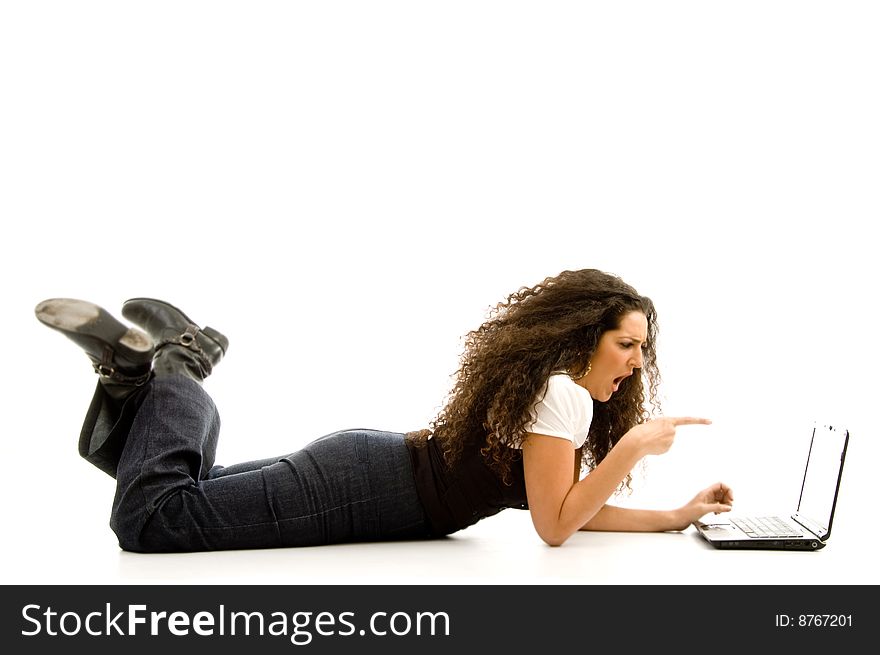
column 552, row 527
column 552, row 537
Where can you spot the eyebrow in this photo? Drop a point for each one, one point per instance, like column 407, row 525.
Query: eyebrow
column 636, row 339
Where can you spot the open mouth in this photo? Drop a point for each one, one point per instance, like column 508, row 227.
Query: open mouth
column 617, row 381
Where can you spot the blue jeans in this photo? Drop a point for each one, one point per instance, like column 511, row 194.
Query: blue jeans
column 354, row 485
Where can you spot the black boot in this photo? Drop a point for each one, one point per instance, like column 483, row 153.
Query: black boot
column 120, row 355
column 182, row 347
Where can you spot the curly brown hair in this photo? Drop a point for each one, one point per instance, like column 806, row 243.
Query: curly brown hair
column 552, row 326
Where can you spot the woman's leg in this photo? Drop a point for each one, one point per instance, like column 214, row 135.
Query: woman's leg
column 218, row 471
column 153, row 427
column 348, row 486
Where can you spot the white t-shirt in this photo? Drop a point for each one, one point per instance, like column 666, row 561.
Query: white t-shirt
column 565, row 412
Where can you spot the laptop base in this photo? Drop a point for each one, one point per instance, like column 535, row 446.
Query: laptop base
column 727, row 536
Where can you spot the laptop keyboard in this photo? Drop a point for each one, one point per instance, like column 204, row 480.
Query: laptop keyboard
column 766, row 527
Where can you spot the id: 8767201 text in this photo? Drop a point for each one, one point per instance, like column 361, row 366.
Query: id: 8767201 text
column 814, row 620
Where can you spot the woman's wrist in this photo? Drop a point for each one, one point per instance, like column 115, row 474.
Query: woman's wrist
column 677, row 519
column 628, row 446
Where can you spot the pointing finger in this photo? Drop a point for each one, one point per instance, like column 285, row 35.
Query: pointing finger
column 690, row 420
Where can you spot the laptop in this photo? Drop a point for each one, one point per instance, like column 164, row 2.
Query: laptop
column 809, row 527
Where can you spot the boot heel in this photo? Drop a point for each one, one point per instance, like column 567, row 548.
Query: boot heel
column 217, row 338
column 136, row 340
column 105, row 340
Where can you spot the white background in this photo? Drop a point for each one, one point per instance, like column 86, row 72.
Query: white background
column 344, row 188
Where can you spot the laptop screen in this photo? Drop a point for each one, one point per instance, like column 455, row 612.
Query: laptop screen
column 822, row 477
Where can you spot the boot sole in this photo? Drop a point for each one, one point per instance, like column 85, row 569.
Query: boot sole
column 92, row 327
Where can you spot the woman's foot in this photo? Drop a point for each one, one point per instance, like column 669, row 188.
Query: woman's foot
column 121, row 355
column 182, row 347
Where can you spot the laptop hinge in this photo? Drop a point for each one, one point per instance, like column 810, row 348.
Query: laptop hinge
column 810, row 526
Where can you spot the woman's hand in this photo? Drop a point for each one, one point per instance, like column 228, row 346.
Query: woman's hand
column 655, row 437
column 717, row 498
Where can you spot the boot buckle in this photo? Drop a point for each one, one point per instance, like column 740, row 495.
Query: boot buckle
column 186, row 339
column 189, row 336
column 105, row 367
column 104, row 371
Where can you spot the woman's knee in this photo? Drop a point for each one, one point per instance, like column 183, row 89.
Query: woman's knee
column 145, row 532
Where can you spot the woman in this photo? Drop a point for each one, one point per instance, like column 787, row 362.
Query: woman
column 550, row 383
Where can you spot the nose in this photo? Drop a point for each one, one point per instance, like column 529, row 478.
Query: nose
column 636, row 360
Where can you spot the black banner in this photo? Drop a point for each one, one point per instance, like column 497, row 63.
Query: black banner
column 348, row 618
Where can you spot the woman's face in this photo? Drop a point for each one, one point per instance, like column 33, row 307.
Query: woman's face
column 618, row 353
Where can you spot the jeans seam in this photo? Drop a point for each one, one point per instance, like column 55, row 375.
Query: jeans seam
column 276, row 521
column 270, row 507
column 373, row 517
column 148, row 511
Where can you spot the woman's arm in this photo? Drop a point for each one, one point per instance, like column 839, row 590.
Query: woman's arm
column 622, row 519
column 716, row 498
column 559, row 508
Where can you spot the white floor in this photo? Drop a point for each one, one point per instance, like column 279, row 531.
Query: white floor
column 56, row 508
column 501, row 550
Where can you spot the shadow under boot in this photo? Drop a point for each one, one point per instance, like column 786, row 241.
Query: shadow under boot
column 182, row 347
